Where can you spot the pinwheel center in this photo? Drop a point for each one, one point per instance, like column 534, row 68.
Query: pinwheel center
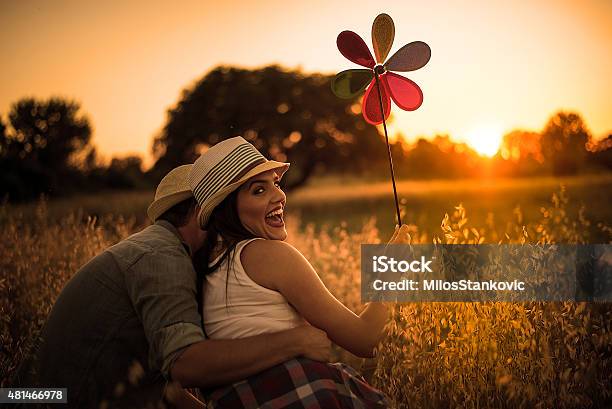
column 379, row 69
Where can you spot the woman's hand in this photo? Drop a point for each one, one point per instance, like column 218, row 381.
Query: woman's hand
column 400, row 236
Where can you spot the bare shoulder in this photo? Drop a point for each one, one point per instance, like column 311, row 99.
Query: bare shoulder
column 267, row 261
column 269, row 251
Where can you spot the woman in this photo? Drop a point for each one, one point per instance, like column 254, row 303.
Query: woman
column 254, row 283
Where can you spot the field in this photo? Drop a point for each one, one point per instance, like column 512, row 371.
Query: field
column 331, row 202
column 474, row 355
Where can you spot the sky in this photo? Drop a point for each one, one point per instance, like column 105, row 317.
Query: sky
column 495, row 66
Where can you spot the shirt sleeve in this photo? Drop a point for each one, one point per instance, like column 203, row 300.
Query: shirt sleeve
column 162, row 287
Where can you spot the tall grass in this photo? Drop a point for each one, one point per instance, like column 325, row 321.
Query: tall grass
column 482, row 355
column 37, row 257
column 474, row 355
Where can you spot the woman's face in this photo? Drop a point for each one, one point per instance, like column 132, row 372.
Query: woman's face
column 261, row 204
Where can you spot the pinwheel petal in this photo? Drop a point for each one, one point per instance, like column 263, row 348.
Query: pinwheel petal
column 352, row 46
column 383, row 32
column 349, row 83
column 405, row 93
column 410, row 57
column 371, row 103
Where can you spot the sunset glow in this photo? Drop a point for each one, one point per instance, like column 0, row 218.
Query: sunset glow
column 485, row 139
column 127, row 63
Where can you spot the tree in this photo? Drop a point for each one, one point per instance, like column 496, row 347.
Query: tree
column 287, row 115
column 125, row 173
column 601, row 153
column 520, row 154
column 3, row 140
column 37, row 151
column 520, row 145
column 424, row 160
column 564, row 142
column 440, row 157
column 2, row 134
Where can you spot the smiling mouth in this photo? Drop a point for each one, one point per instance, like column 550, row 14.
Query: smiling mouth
column 275, row 218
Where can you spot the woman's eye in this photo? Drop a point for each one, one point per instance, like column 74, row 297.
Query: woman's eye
column 258, row 190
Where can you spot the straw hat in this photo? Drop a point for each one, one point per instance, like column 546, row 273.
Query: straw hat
column 222, row 169
column 173, row 189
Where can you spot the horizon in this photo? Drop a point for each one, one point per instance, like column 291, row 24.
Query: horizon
column 109, row 71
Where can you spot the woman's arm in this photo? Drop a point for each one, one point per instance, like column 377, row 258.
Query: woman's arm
column 279, row 266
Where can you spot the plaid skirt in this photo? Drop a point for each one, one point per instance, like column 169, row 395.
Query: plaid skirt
column 300, row 383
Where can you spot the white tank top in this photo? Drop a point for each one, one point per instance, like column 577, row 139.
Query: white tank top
column 249, row 309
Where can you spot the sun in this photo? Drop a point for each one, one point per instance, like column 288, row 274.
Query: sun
column 485, row 139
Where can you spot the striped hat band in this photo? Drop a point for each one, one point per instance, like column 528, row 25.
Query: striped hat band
column 226, row 171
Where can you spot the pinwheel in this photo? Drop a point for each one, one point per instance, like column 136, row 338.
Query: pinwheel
column 381, row 84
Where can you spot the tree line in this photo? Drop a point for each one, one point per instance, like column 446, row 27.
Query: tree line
column 46, row 148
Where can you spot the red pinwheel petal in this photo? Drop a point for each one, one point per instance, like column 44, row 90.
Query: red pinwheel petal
column 352, row 46
column 405, row 93
column 371, row 103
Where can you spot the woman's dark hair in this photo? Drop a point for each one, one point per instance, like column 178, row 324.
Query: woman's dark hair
column 224, row 222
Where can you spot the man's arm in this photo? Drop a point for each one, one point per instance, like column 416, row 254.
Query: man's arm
column 211, row 363
column 162, row 288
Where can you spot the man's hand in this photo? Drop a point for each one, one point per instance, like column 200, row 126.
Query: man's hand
column 314, row 343
column 180, row 398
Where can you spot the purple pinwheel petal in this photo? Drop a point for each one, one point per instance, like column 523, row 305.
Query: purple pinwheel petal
column 383, row 32
column 410, row 57
column 352, row 46
column 371, row 103
column 405, row 93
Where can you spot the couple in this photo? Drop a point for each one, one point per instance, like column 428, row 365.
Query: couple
column 128, row 326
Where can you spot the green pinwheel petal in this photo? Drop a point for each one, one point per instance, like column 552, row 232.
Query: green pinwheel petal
column 349, row 83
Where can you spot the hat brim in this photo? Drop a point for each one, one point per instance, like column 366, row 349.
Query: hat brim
column 161, row 205
column 219, row 196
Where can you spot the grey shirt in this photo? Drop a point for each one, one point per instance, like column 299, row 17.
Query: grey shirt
column 121, row 321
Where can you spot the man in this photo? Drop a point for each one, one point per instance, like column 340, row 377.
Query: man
column 117, row 328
